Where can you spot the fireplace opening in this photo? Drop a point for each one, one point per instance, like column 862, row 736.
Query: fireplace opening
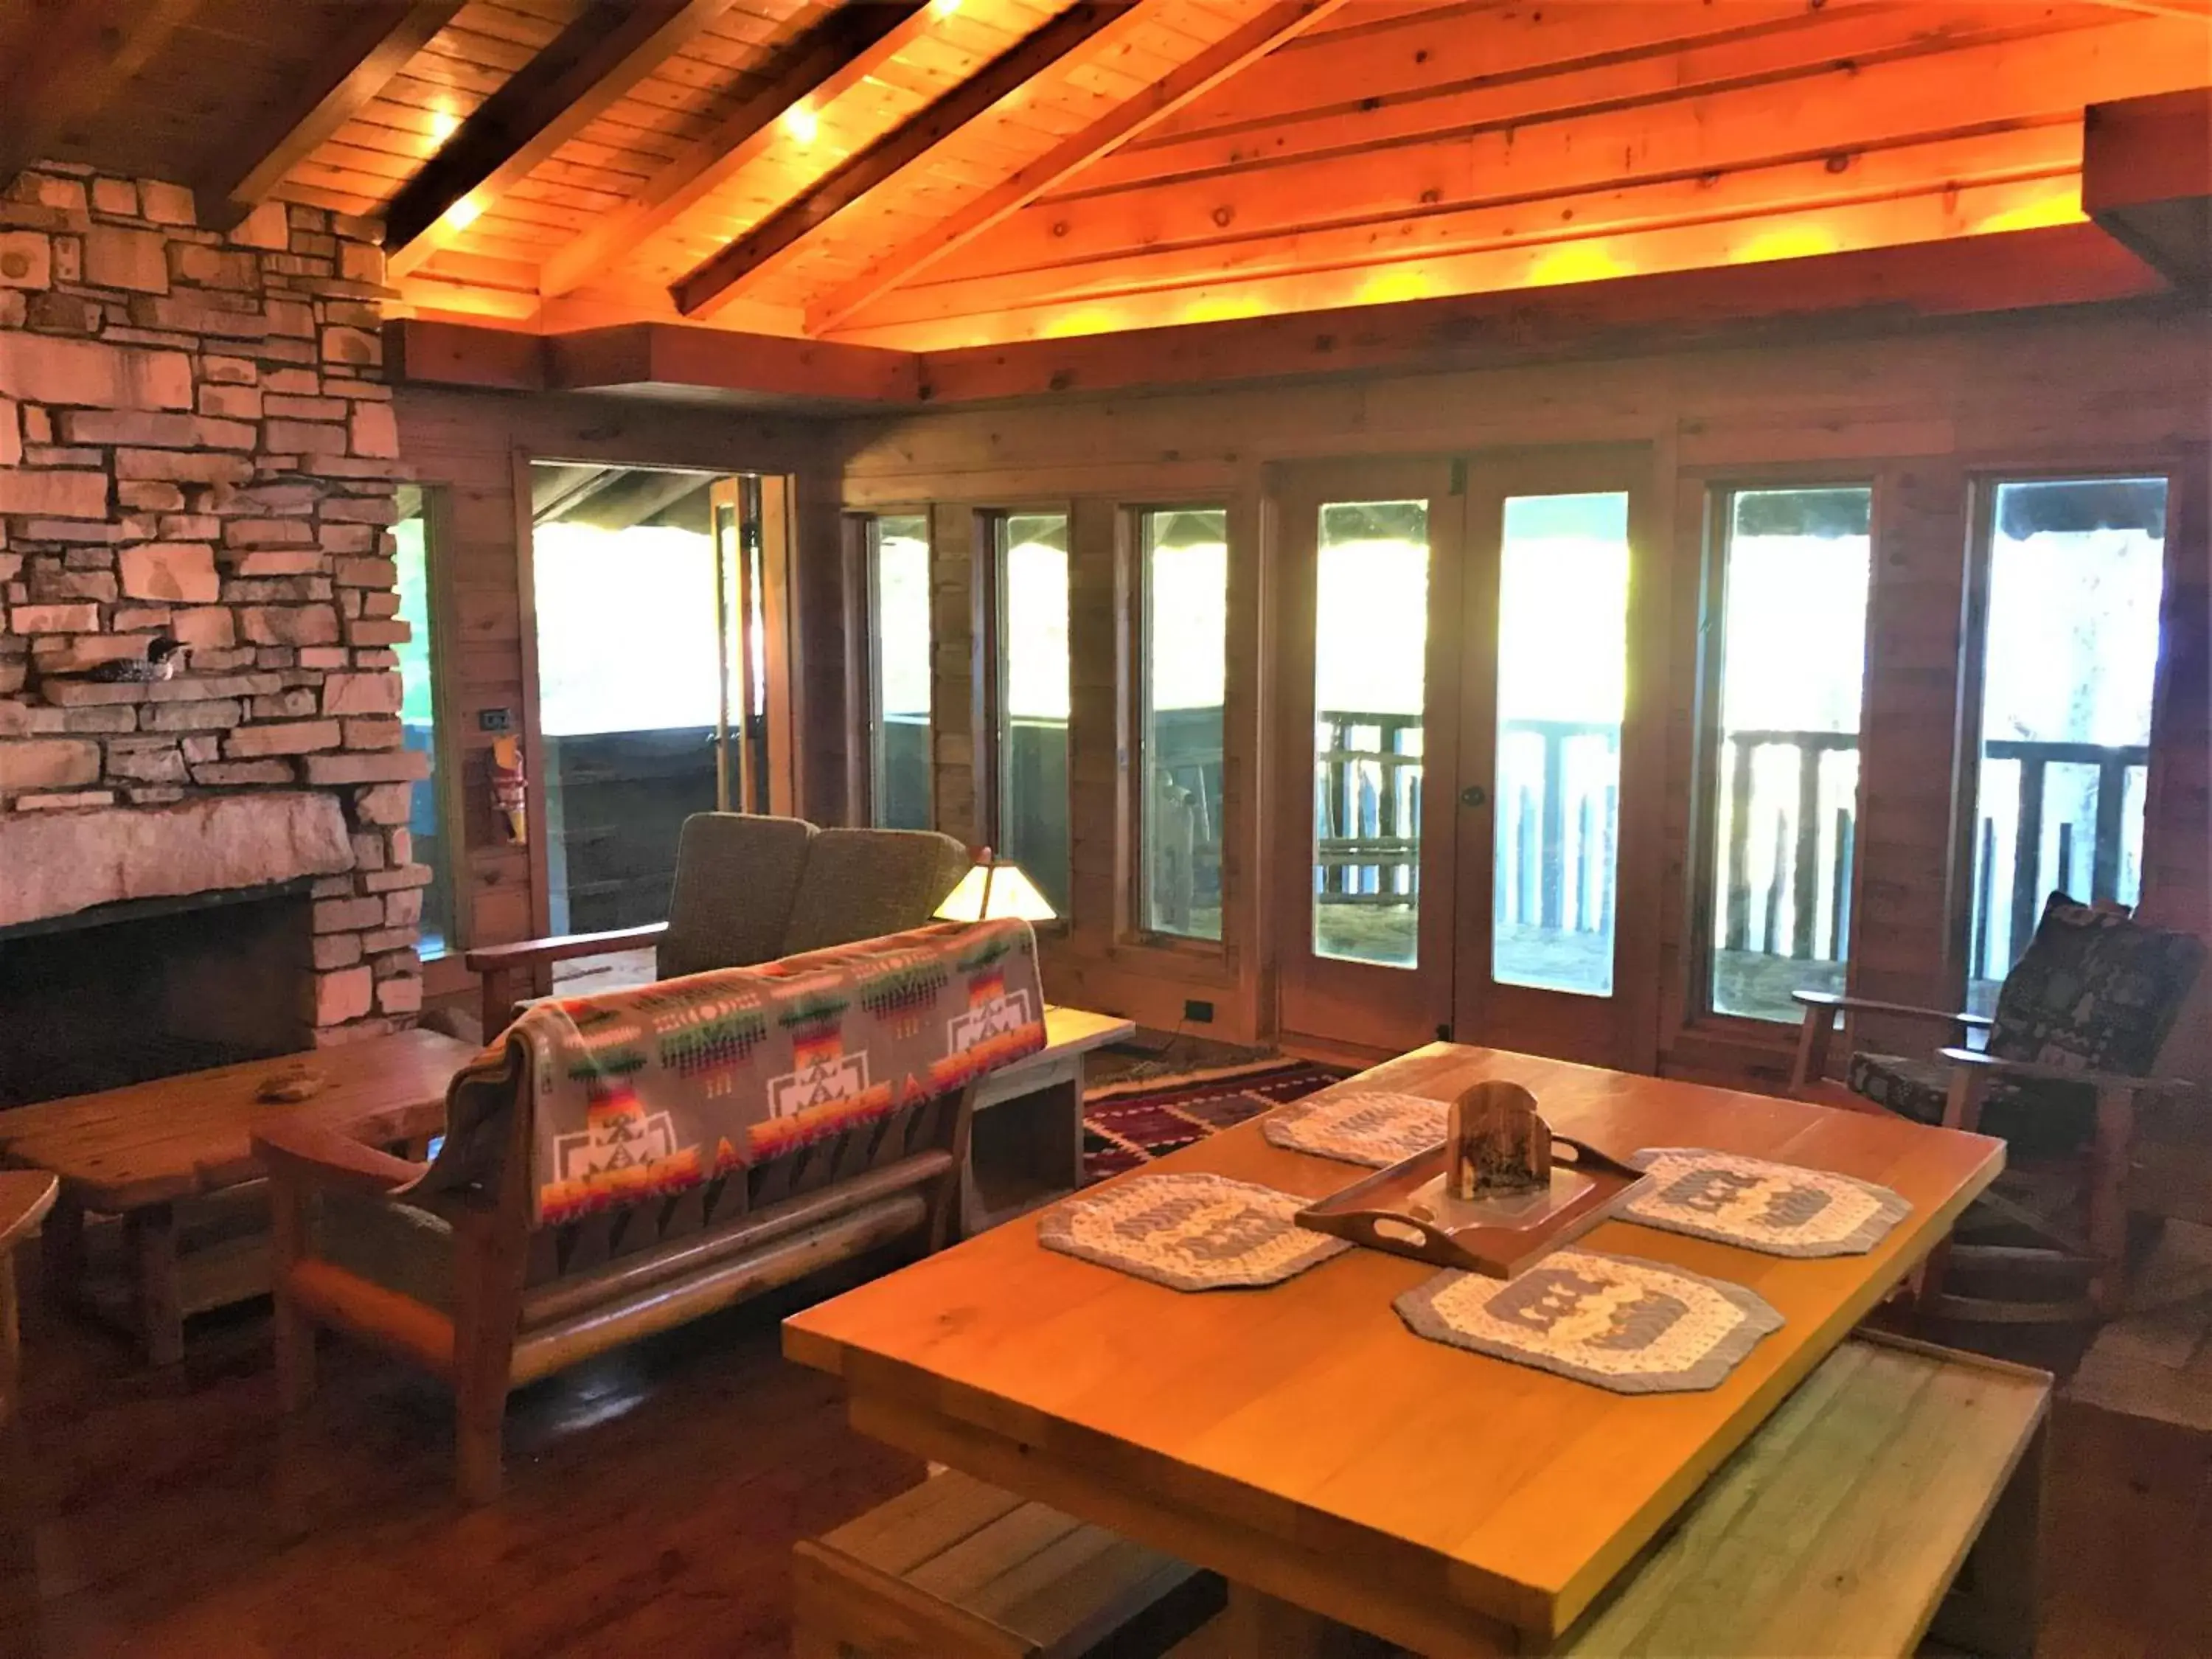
column 128, row 993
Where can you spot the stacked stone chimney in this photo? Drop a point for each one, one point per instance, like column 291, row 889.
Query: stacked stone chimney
column 195, row 439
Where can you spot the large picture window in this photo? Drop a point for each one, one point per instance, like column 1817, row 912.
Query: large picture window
column 2069, row 651
column 1185, row 585
column 899, row 671
column 1033, row 699
column 1795, row 572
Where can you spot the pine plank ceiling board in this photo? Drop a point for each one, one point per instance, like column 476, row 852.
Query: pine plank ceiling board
column 930, row 175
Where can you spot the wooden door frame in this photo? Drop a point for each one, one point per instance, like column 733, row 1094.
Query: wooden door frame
column 1620, row 1029
column 1317, row 997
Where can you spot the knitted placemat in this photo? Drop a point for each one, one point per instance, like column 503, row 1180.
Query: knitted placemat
column 1359, row 1125
column 1629, row 1326
column 1778, row 1209
column 1189, row 1232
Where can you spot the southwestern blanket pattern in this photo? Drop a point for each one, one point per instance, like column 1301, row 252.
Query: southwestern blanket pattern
column 645, row 1092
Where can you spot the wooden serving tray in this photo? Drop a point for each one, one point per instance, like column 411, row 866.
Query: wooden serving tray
column 1406, row 1211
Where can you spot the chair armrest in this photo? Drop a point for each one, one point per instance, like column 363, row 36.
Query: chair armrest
column 316, row 1156
column 531, row 952
column 1830, row 1001
column 2028, row 1071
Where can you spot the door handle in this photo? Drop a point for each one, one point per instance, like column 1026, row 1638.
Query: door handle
column 1474, row 795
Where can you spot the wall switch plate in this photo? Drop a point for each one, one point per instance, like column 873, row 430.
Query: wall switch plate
column 1194, row 1008
column 495, row 719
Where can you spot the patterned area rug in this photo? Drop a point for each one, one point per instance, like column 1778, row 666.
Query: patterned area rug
column 1131, row 1123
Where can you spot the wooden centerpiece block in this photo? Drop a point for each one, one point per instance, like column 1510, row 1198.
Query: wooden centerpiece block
column 1495, row 1198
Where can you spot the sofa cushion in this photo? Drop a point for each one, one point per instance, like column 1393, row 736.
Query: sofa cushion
column 406, row 1250
column 2041, row 1120
column 862, row 884
column 737, row 877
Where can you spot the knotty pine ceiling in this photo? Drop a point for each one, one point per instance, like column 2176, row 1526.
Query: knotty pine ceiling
column 792, row 166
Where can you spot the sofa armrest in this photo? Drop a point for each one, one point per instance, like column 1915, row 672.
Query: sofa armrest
column 2028, row 1071
column 500, row 967
column 1815, row 1001
column 312, row 1155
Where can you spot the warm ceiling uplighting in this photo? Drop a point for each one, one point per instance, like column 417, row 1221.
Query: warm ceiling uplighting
column 443, row 124
column 801, row 123
column 463, row 214
column 1573, row 261
column 1091, row 319
column 944, row 7
column 1387, row 286
column 2062, row 207
column 1785, row 242
column 1223, row 307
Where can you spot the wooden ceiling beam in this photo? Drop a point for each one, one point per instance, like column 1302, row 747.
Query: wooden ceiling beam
column 377, row 43
column 1246, row 44
column 611, row 48
column 2147, row 179
column 71, row 61
column 813, row 69
column 722, row 275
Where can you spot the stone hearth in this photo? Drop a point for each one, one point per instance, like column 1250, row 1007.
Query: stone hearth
column 195, row 440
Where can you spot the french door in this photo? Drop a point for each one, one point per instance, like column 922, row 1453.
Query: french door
column 1455, row 681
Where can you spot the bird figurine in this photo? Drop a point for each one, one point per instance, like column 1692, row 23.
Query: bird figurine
column 165, row 655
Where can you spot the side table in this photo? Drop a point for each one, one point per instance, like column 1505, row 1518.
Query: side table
column 1025, row 1144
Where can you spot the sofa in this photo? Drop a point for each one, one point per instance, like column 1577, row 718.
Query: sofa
column 619, row 1164
column 749, row 889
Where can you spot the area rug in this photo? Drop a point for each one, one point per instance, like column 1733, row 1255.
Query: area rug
column 1130, row 1123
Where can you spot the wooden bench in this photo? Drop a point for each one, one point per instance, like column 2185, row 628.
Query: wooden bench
column 2130, row 1517
column 1844, row 1527
column 955, row 1568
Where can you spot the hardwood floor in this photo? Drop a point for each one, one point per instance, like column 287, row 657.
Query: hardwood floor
column 652, row 1498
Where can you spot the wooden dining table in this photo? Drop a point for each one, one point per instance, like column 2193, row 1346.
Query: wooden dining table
column 1299, row 1440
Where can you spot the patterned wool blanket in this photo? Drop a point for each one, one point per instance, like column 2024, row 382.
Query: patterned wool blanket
column 645, row 1092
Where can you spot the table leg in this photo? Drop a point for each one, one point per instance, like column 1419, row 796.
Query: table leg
column 150, row 1236
column 1260, row 1626
column 61, row 1252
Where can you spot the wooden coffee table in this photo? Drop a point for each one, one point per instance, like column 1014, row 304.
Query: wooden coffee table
column 173, row 1158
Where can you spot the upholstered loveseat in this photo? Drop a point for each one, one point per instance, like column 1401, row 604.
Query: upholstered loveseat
column 750, row 889
column 619, row 1164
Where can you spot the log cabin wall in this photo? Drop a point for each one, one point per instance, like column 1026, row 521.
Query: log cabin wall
column 472, row 452
column 1923, row 416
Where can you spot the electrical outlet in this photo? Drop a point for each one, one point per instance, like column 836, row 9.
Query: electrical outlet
column 1202, row 1012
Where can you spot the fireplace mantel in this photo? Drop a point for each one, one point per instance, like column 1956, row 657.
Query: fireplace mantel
column 53, row 864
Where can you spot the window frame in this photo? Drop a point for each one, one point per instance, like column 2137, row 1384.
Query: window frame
column 868, row 660
column 1717, row 491
column 1134, row 701
column 988, row 599
column 448, row 761
column 1982, row 484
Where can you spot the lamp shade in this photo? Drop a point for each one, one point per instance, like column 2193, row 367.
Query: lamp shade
column 992, row 889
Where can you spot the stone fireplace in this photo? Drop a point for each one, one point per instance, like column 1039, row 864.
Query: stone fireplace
column 196, row 443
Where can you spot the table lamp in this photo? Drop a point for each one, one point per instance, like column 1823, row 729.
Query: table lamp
column 994, row 888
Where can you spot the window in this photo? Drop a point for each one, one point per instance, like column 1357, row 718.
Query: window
column 1796, row 566
column 2070, row 651
column 1370, row 643
column 1562, row 666
column 418, row 719
column 899, row 671
column 1033, row 699
column 1185, row 585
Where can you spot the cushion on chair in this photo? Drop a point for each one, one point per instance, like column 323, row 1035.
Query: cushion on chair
column 397, row 1246
column 2034, row 1122
column 2095, row 988
column 737, row 877
column 862, row 884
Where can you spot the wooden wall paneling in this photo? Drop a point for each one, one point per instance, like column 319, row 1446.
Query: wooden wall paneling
column 1098, row 737
column 1918, row 732
column 798, row 644
column 1691, row 727
column 1654, row 641
column 955, row 692
column 532, row 732
column 856, row 557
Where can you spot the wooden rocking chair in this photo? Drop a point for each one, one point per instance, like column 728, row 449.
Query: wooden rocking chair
column 2079, row 1024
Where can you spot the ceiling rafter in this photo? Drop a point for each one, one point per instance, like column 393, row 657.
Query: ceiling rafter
column 611, row 46
column 836, row 55
column 722, row 275
column 379, row 42
column 1253, row 40
column 75, row 62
